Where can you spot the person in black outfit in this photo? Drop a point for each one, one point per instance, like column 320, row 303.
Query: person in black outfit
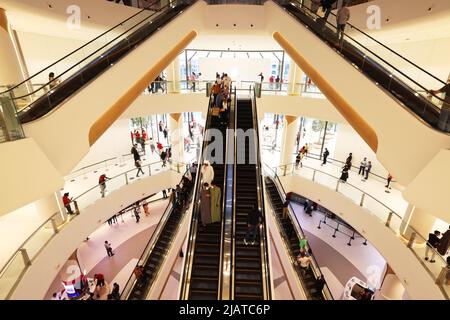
column 135, row 153
column 319, row 284
column 326, row 7
column 432, row 243
column 253, row 221
column 164, row 192
column 309, row 209
column 326, row 153
column 115, row 294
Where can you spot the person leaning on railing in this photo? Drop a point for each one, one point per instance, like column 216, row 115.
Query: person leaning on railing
column 67, row 201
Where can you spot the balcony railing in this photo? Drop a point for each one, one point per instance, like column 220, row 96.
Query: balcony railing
column 13, row 271
column 392, row 220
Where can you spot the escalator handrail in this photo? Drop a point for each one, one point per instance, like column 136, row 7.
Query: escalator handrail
column 297, row 227
column 224, row 251
column 135, row 26
column 189, row 257
column 259, row 182
column 303, row 7
column 77, row 50
column 146, row 253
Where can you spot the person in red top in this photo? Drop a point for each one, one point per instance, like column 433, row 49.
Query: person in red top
column 100, row 279
column 132, row 137
column 138, row 136
column 102, row 182
column 67, row 201
column 160, row 147
column 144, row 135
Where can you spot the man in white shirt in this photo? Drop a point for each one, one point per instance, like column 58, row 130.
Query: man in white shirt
column 362, row 167
column 304, row 262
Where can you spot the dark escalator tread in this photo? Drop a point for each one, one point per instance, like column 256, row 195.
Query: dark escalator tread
column 202, row 295
column 253, row 288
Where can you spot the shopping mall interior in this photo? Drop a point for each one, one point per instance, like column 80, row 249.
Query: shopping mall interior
column 224, row 150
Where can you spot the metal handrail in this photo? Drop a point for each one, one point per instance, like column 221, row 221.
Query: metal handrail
column 75, row 51
column 227, row 235
column 264, row 245
column 298, row 228
column 303, row 7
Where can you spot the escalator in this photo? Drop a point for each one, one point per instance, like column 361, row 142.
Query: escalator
column 251, row 276
column 370, row 58
column 98, row 56
column 202, row 274
column 291, row 237
column 157, row 249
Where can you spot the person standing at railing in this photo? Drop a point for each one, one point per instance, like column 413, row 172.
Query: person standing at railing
column 362, row 167
column 432, row 244
column 102, row 182
column 342, row 17
column 444, row 120
column 271, row 81
column 137, row 212
column 261, row 77
column 368, row 169
column 67, row 201
column 444, row 243
column 325, row 155
column 193, row 79
column 344, row 174
column 52, row 81
column 298, row 158
column 277, row 82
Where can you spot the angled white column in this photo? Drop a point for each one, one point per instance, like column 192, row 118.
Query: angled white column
column 173, row 76
column 289, row 138
column 9, row 63
column 419, row 220
column 176, row 136
column 295, row 76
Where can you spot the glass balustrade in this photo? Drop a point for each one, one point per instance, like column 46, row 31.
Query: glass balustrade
column 409, row 236
column 12, row 272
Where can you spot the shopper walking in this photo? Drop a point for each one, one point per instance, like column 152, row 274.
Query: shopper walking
column 137, row 163
column 389, row 179
column 362, row 167
column 108, row 248
column 297, row 160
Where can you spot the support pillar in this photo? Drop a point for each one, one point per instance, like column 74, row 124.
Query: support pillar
column 295, row 76
column 289, row 138
column 173, row 76
column 176, row 136
column 419, row 220
column 11, row 73
column 48, row 206
column 392, row 288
